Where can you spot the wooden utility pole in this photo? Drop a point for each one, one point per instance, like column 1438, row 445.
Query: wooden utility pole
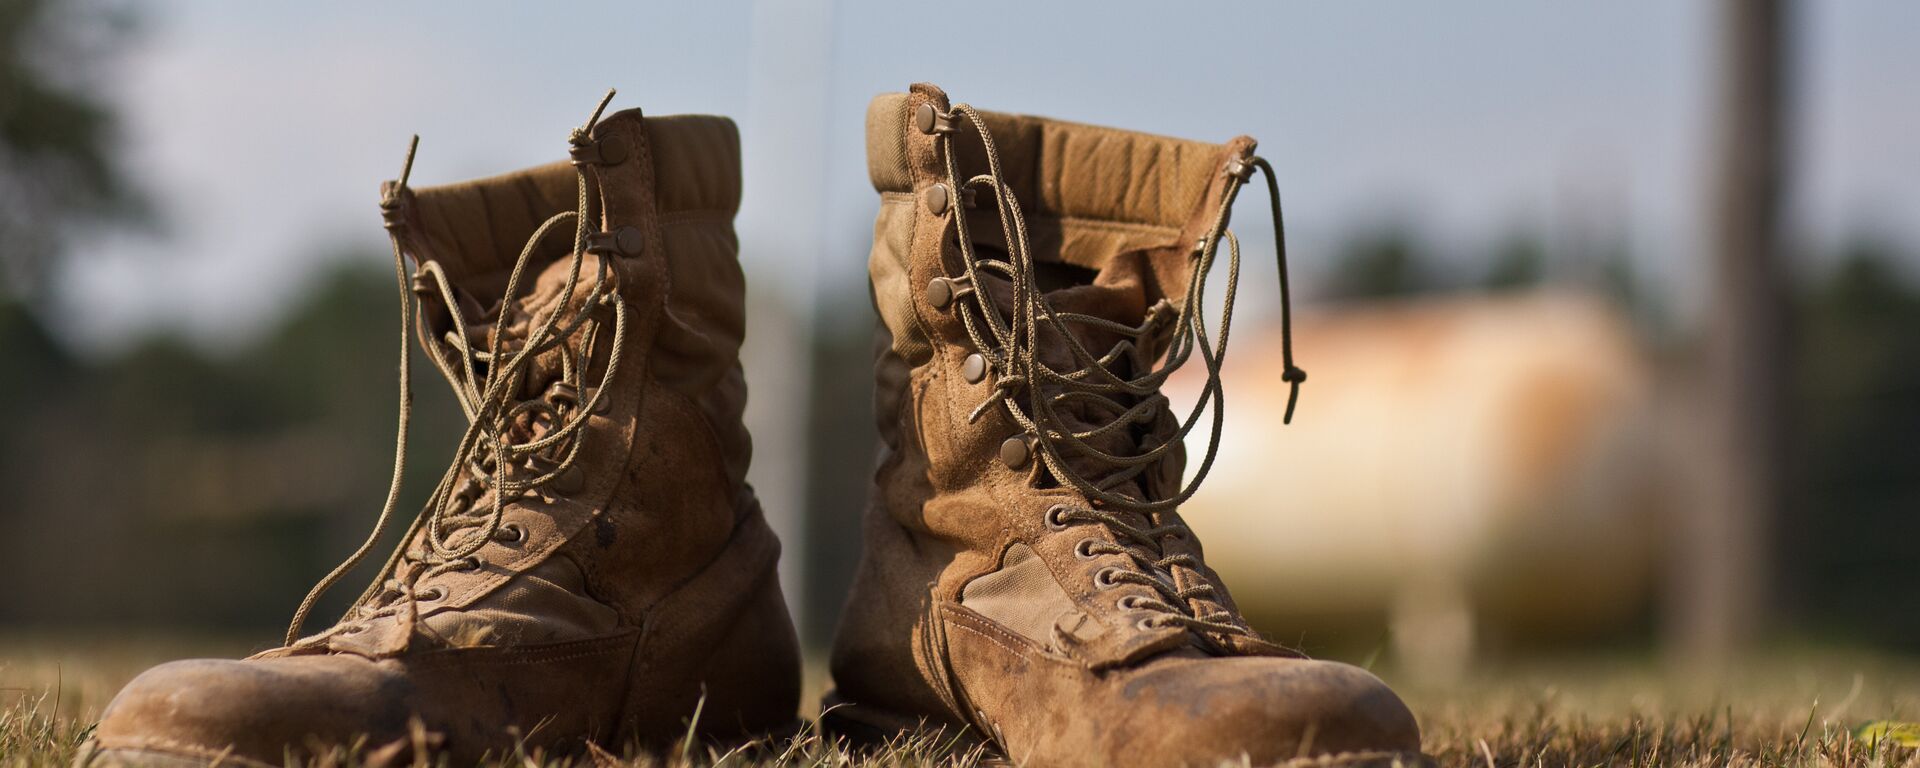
column 1747, row 341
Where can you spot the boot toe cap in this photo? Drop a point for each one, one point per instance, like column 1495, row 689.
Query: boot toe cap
column 245, row 711
column 1271, row 710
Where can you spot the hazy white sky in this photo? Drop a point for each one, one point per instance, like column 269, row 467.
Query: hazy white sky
column 263, row 129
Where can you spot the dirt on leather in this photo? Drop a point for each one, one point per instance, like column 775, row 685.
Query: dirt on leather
column 1776, row 710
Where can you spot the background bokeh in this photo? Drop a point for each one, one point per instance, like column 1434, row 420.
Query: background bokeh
column 1502, row 217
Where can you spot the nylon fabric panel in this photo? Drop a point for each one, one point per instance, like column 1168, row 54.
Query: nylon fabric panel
column 696, row 164
column 886, row 147
column 1022, row 596
column 477, row 228
column 889, row 266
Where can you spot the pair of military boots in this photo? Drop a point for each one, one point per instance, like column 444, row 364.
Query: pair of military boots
column 593, row 569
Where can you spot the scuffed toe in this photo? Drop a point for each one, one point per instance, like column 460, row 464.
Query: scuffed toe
column 1268, row 710
column 252, row 712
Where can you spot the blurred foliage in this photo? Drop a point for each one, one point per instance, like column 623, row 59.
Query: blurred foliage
column 1851, row 563
column 59, row 164
column 1520, row 261
column 1380, row 264
column 1389, row 261
column 842, row 444
column 168, row 485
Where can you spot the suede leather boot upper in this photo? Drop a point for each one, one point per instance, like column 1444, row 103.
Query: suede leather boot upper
column 1026, row 576
column 593, row 563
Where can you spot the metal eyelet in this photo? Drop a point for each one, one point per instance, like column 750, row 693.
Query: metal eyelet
column 1103, row 578
column 1056, row 517
column 1084, row 549
column 1147, row 624
column 433, row 593
column 1179, row 535
column 1240, row 168
column 510, row 533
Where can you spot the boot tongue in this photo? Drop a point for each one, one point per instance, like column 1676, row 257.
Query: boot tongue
column 1127, row 304
column 539, row 376
column 528, row 312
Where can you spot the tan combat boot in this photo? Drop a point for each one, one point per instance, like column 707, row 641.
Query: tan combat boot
column 1026, row 577
column 593, row 566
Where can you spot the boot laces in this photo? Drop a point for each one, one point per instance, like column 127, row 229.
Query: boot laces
column 537, row 435
column 1115, row 390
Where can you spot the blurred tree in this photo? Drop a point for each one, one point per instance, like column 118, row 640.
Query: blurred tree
column 840, row 453
column 1848, row 542
column 35, row 359
column 58, row 164
column 329, row 369
column 1380, row 263
column 1519, row 261
column 242, row 477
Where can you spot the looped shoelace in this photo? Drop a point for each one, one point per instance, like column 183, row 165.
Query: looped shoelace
column 486, row 451
column 1011, row 346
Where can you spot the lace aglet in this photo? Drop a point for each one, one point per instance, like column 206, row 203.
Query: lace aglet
column 1294, row 377
column 602, row 107
column 406, row 166
column 392, row 199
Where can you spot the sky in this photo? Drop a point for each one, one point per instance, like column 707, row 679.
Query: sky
column 263, row 129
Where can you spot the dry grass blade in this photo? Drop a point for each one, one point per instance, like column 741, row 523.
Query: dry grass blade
column 1595, row 714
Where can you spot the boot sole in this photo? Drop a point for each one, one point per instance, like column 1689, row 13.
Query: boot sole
column 869, row 728
column 1361, row 760
column 93, row 757
column 865, row 727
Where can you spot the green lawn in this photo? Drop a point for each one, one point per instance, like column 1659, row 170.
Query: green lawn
column 1776, row 710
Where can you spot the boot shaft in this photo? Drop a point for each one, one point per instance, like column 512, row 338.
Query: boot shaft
column 675, row 182
column 638, row 342
column 1112, row 217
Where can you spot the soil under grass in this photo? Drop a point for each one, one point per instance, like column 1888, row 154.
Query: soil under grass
column 1777, row 710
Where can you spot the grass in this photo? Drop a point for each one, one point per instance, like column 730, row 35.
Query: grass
column 1779, row 710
